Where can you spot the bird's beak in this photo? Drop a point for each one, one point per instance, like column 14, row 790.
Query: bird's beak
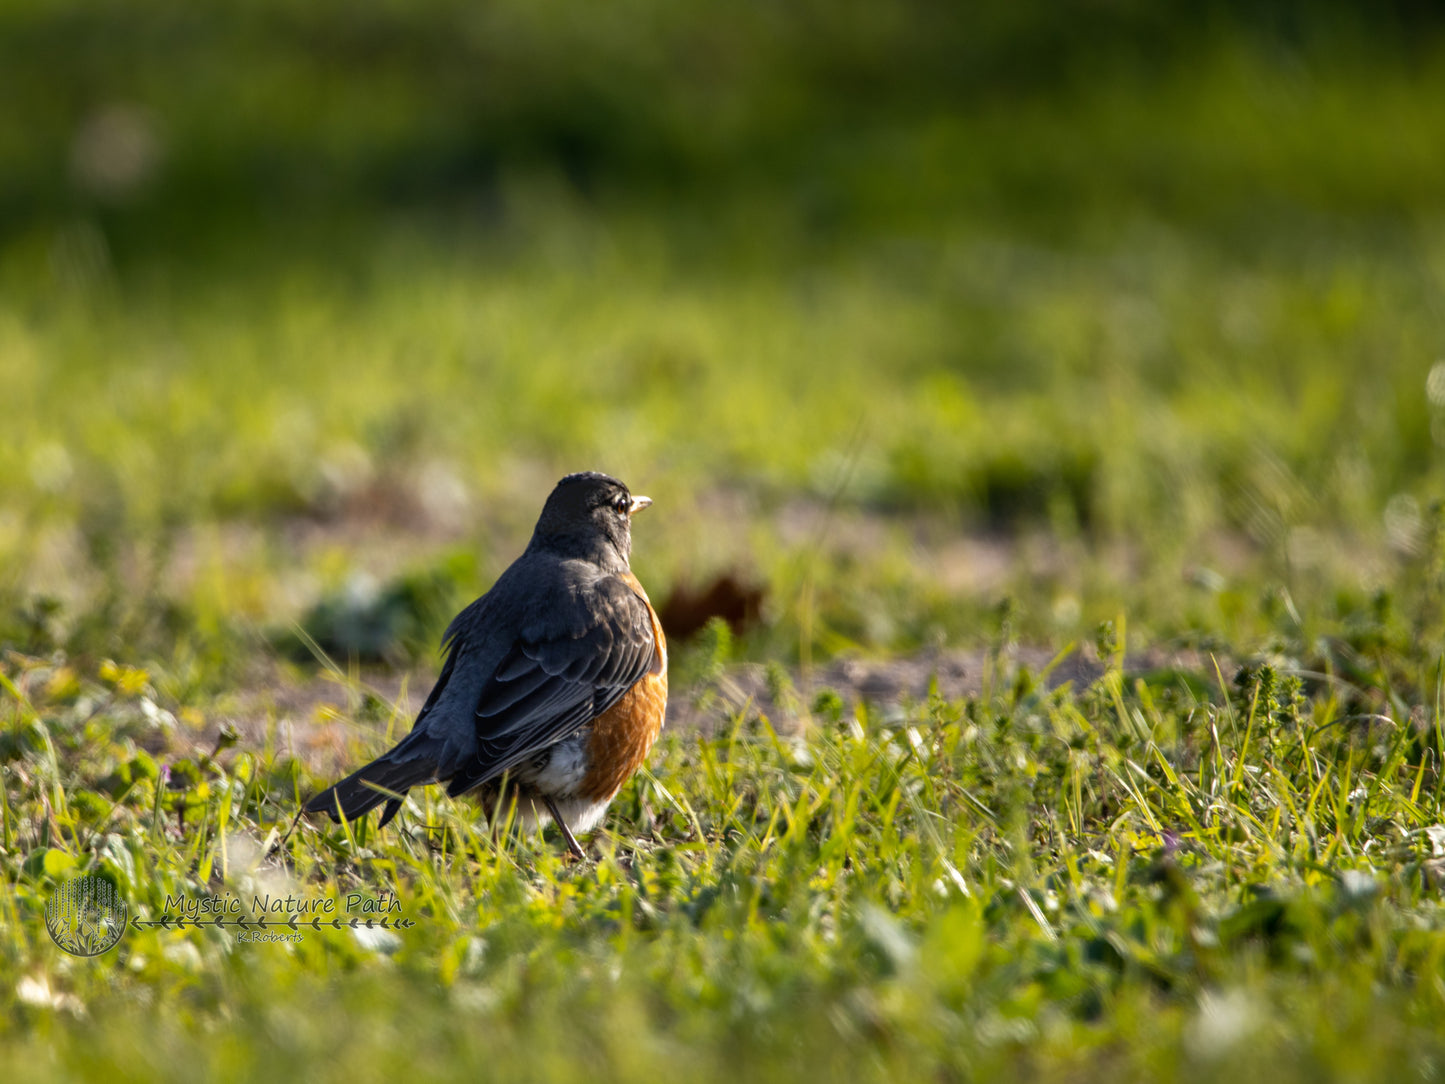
column 638, row 504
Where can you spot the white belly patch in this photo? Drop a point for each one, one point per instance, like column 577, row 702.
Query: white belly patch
column 560, row 776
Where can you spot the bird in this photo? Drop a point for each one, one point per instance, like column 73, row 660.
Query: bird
column 555, row 680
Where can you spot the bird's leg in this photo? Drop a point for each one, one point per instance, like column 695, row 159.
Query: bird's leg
column 572, row 844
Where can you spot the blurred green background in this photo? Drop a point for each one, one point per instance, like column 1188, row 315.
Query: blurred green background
column 903, row 309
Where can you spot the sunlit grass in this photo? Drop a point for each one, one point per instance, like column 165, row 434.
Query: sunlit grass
column 1170, row 878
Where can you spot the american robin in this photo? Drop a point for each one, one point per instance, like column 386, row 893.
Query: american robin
column 555, row 678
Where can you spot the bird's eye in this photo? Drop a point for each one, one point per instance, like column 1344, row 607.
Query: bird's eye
column 623, row 505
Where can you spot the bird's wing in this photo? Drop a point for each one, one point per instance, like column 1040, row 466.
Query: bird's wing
column 548, row 686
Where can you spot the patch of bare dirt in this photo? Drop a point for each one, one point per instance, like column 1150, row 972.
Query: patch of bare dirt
column 887, row 684
column 317, row 717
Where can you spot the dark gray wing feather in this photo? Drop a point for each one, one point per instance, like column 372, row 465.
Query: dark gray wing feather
column 546, row 689
column 570, row 667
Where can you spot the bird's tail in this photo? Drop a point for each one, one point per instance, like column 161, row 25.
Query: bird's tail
column 385, row 779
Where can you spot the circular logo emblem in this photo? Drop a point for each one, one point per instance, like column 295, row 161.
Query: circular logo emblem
column 85, row 915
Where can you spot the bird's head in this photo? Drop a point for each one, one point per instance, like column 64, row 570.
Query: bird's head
column 589, row 515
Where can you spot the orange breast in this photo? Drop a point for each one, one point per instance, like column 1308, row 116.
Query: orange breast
column 623, row 734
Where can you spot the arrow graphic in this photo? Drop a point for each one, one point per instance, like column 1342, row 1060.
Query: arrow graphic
column 181, row 922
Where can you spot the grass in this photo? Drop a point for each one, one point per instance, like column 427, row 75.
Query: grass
column 1141, row 352
column 1160, row 877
